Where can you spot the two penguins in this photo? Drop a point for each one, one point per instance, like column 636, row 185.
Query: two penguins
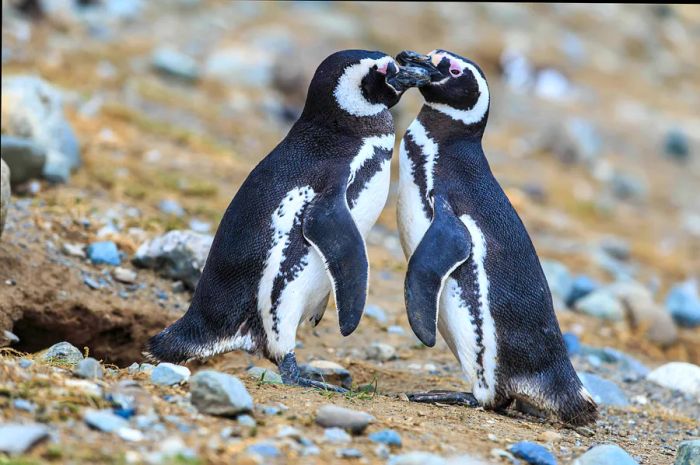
column 295, row 231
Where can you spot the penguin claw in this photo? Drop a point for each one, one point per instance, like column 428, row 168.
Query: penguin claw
column 444, row 397
column 305, row 382
column 289, row 370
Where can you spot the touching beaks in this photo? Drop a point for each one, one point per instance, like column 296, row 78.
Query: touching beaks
column 409, row 59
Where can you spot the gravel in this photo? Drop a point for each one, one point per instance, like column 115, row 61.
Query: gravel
column 169, row 374
column 18, row 438
column 351, row 420
column 220, row 394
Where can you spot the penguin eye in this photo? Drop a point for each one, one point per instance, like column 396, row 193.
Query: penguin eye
column 455, row 72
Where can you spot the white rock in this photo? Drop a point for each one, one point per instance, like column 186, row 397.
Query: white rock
column 682, row 376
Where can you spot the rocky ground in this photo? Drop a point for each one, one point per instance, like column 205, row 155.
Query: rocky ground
column 127, row 127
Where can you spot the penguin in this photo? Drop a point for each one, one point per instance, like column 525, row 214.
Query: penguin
column 294, row 232
column 473, row 273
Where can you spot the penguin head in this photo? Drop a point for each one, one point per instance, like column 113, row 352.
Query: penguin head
column 457, row 86
column 360, row 83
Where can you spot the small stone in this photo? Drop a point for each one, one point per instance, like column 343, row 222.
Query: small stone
column 683, row 303
column 386, row 436
column 376, row 313
column 289, row 432
column 601, row 304
column 549, row 436
column 327, row 372
column 417, row 458
column 176, row 64
column 606, row 454
column 269, row 410
column 63, row 352
column 572, row 343
column 25, row 363
column 88, row 368
column 16, row 438
column 124, row 275
column 350, row 453
column 382, row 451
column 532, row 453
column 264, row 449
column 558, row 278
column 604, row 392
column 169, row 374
column 91, row 282
column 146, row 368
column 688, row 453
column 10, row 336
column 581, row 286
column 676, row 145
column 24, row 404
column 130, row 434
column 396, row 330
column 171, row 207
column 24, row 159
column 264, row 375
column 104, row 253
column 105, row 420
column 73, row 250
column 219, row 394
column 247, row 421
column 336, row 436
column 626, row 186
column 380, row 352
column 199, row 226
column 332, row 416
column 681, row 376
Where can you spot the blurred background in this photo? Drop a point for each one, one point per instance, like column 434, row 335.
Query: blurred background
column 128, row 126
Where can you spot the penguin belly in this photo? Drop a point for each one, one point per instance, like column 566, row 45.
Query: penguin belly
column 413, row 222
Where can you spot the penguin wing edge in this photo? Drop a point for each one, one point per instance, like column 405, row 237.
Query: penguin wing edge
column 331, row 230
column 445, row 245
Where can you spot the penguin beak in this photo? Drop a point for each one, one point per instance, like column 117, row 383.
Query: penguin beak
column 407, row 77
column 411, row 59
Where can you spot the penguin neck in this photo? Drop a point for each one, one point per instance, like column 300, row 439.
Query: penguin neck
column 450, row 129
column 342, row 123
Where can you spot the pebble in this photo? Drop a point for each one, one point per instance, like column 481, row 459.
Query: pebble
column 171, row 207
column 532, row 453
column 558, row 278
column 264, row 449
column 24, row 404
column 88, row 368
column 327, row 372
column 124, row 275
column 174, row 63
column 581, row 286
column 417, row 458
column 220, row 394
column 395, row 330
column 16, row 438
column 24, row 159
column 603, row 391
column 73, row 250
column 5, row 192
column 644, row 312
column 240, row 65
column 688, row 453
column 247, row 421
column 264, row 375
column 63, row 352
column 336, row 436
column 676, row 145
column 351, row 420
column 350, row 453
column 683, row 303
column 386, row 436
column 10, row 336
column 549, row 436
column 104, row 420
column 25, row 363
column 380, row 352
column 572, row 343
column 632, row 368
column 169, row 374
column 199, row 226
column 601, row 304
column 606, row 454
column 681, row 376
column 178, row 254
column 376, row 313
column 104, row 253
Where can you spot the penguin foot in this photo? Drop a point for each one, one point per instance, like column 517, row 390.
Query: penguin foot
column 289, row 370
column 444, row 397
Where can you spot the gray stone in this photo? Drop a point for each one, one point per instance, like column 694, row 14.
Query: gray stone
column 380, row 352
column 336, row 436
column 171, row 207
column 124, row 275
column 395, row 329
column 105, row 420
column 219, row 394
column 606, row 454
column 247, row 421
column 386, row 436
column 33, row 109
column 24, row 158
column 174, row 63
column 626, row 186
column 417, row 458
column 265, row 375
column 680, row 376
column 63, row 352
column 4, row 193
column 24, row 404
column 169, row 374
column 558, row 277
column 683, row 303
column 601, row 304
column 632, row 368
column 176, row 255
column 16, row 438
column 332, row 416
column 348, row 453
column 688, row 453
column 327, row 372
column 88, row 368
column 264, row 449
column 676, row 145
column 376, row 313
column 604, row 392
column 240, row 66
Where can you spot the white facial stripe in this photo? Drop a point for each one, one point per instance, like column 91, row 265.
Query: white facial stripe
column 488, row 328
column 478, row 111
column 282, row 222
column 348, row 93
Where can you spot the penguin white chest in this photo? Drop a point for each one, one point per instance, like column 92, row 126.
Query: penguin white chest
column 368, row 186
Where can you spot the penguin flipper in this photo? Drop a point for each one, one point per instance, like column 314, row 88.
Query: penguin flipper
column 445, row 245
column 331, row 230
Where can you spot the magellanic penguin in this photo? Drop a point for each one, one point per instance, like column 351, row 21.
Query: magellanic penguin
column 294, row 232
column 473, row 273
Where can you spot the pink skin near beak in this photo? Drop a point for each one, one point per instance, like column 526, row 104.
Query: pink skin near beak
column 383, row 68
